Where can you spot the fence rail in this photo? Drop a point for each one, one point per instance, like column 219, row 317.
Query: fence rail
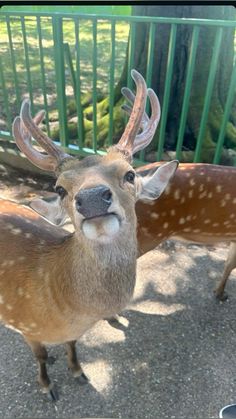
column 57, row 59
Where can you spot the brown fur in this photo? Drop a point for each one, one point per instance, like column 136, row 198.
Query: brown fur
column 197, row 193
column 54, row 286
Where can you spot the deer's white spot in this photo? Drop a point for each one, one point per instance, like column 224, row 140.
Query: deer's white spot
column 9, row 307
column 154, row 215
column 177, row 194
column 33, row 324
column 181, row 220
column 190, row 193
column 208, row 178
column 201, row 187
column 27, row 296
column 192, row 182
column 182, row 200
column 207, row 221
column 196, row 230
column 165, row 225
column 215, row 225
column 186, row 230
column 218, row 188
column 222, row 203
column 28, row 235
column 1, row 299
column 188, row 218
column 210, row 195
column 16, row 231
column 202, row 195
column 21, row 258
column 172, row 212
column 227, row 196
column 232, row 216
column 145, row 231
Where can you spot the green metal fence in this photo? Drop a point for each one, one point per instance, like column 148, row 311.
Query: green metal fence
column 58, row 59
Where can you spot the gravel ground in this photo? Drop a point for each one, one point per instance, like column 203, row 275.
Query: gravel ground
column 172, row 357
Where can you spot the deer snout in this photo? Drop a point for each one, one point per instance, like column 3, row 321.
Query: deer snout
column 93, row 202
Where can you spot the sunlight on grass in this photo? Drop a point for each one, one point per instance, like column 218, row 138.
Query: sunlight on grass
column 86, row 56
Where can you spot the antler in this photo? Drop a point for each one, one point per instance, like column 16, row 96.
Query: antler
column 126, row 142
column 147, row 125
column 24, row 127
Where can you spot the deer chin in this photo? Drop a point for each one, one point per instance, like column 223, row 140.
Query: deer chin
column 103, row 228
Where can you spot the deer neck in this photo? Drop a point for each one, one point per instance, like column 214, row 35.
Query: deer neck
column 105, row 272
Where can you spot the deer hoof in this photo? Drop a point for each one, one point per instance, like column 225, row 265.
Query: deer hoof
column 82, row 379
column 52, row 393
column 221, row 296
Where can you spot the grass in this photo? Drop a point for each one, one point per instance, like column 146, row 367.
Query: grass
column 86, row 51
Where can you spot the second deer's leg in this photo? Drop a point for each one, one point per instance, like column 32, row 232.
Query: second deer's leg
column 230, row 264
column 73, row 362
column 41, row 355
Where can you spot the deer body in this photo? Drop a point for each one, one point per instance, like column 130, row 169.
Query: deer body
column 54, row 286
column 199, row 205
column 60, row 300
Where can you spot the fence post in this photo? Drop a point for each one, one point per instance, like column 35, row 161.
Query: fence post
column 60, row 78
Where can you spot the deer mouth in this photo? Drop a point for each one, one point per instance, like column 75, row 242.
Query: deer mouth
column 102, row 228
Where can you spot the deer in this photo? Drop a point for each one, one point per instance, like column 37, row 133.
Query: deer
column 198, row 205
column 55, row 285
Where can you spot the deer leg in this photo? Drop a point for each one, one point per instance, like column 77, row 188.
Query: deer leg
column 230, row 264
column 74, row 364
column 42, row 357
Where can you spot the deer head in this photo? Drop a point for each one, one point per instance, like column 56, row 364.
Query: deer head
column 98, row 193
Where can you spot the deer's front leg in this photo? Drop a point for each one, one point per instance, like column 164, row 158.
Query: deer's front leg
column 42, row 357
column 74, row 364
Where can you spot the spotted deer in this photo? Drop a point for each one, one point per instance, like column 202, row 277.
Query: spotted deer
column 198, row 205
column 54, row 286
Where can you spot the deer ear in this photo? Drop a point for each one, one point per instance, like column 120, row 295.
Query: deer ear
column 51, row 209
column 150, row 187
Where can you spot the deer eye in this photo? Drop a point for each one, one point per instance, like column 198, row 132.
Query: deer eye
column 61, row 191
column 129, row 177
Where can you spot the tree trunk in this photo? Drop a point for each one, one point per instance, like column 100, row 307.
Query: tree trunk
column 199, row 83
column 200, row 77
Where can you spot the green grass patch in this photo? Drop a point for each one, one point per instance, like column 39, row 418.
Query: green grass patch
column 23, row 79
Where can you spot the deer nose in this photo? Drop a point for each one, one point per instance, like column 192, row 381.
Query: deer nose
column 92, row 202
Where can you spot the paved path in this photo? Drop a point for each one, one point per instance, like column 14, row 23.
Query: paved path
column 174, row 356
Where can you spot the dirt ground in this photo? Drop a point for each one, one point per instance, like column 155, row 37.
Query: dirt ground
column 173, row 355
